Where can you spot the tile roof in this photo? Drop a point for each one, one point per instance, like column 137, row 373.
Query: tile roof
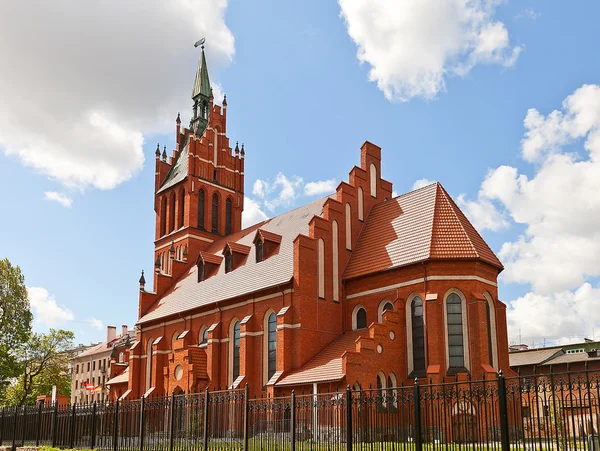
column 420, row 225
column 105, row 346
column 178, row 172
column 533, row 357
column 119, row 378
column 570, row 358
column 327, row 365
column 187, row 293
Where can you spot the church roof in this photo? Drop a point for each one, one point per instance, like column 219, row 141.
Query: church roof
column 278, row 269
column 202, row 82
column 421, row 225
column 178, row 172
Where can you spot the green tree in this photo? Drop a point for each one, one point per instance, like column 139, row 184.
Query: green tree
column 15, row 319
column 43, row 362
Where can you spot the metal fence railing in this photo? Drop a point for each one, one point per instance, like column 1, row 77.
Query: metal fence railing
column 558, row 412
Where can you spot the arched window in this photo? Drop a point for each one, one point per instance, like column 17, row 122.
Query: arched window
column 235, row 347
column 348, row 227
column 271, row 346
column 228, row 217
column 359, row 318
column 174, row 340
column 455, row 333
column 205, row 110
column 489, row 334
column 201, row 209
column 373, row 177
column 381, row 386
column 335, row 251
column 163, row 216
column 203, row 338
column 491, row 330
column 383, row 306
column 361, row 204
column 172, row 213
column 228, row 261
column 392, row 383
column 259, row 251
column 121, row 357
column 321, row 256
column 181, row 208
column 215, row 213
column 418, row 336
column 149, row 364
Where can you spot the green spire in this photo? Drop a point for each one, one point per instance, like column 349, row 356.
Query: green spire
column 202, row 83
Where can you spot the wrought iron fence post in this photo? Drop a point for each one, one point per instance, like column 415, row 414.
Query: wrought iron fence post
column 93, row 438
column 246, row 416
column 205, row 419
column 417, row 408
column 72, row 428
column 116, row 427
column 348, row 418
column 503, row 412
column 54, row 424
column 293, row 420
column 24, row 425
column 2, row 427
column 142, row 408
column 14, row 437
column 38, row 424
column 171, row 421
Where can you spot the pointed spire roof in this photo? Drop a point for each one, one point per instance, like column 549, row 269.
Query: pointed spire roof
column 202, row 82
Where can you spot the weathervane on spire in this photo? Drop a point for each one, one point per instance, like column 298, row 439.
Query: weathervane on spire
column 200, row 43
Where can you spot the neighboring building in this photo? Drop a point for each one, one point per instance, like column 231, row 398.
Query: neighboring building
column 355, row 288
column 93, row 365
column 556, row 359
column 119, row 366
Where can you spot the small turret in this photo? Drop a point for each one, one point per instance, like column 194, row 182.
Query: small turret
column 142, row 281
column 157, row 153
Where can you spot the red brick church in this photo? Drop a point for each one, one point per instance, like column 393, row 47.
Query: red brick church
column 357, row 288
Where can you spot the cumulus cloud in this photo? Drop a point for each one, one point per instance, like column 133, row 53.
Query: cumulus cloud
column 567, row 316
column 320, row 188
column 46, row 311
column 96, row 323
column 82, row 90
column 280, row 192
column 252, row 213
column 421, row 183
column 528, row 13
column 61, row 198
column 411, row 46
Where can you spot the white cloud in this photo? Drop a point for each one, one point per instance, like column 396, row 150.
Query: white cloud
column 320, row 188
column 61, row 198
column 281, row 192
column 79, row 93
column 559, row 204
column 411, row 46
column 567, row 316
column 482, row 213
column 96, row 323
column 45, row 309
column 421, row 183
column 528, row 13
column 252, row 213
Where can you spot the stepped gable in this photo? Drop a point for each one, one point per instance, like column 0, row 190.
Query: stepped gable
column 187, row 293
column 327, row 365
column 421, row 225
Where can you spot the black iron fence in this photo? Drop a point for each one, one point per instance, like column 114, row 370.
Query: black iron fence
column 539, row 413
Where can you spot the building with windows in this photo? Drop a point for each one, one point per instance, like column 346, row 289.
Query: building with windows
column 93, row 367
column 358, row 287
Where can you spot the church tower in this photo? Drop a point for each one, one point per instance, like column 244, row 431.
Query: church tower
column 199, row 188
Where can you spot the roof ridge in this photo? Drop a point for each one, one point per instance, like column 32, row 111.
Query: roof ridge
column 437, row 187
column 413, row 191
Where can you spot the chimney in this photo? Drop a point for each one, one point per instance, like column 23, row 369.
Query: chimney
column 111, row 333
column 124, row 330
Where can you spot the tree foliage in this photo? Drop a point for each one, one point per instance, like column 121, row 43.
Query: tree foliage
column 15, row 318
column 43, row 362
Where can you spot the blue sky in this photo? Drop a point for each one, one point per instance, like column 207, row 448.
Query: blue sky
column 444, row 89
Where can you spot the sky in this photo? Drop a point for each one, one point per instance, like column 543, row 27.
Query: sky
column 497, row 100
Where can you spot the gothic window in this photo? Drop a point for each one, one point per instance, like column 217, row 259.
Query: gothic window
column 181, row 207
column 235, row 368
column 163, row 216
column 174, row 340
column 373, row 177
column 335, row 257
column 228, row 217
column 121, row 357
column 454, row 321
column 215, row 213
column 348, row 227
column 204, row 336
column 361, row 204
column 228, row 261
column 359, row 318
column 321, row 267
column 149, row 364
column 383, row 306
column 205, row 110
column 418, row 336
column 172, row 213
column 259, row 251
column 272, row 346
column 200, row 271
column 201, row 209
column 489, row 334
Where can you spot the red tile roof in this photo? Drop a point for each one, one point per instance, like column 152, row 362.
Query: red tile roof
column 187, row 293
column 239, row 248
column 421, row 225
column 327, row 365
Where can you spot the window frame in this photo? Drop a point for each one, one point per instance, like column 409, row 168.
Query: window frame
column 452, row 370
column 355, row 312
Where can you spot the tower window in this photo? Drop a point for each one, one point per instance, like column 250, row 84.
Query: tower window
column 201, row 209
column 228, row 217
column 259, row 251
column 489, row 333
column 215, row 213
